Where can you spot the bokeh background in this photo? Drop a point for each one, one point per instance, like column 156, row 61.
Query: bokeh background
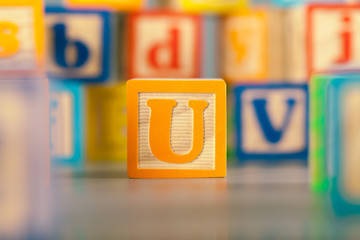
column 63, row 125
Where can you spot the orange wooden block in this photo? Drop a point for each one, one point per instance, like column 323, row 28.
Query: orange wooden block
column 176, row 128
column 21, row 39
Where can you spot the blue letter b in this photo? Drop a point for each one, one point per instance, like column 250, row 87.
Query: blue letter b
column 60, row 45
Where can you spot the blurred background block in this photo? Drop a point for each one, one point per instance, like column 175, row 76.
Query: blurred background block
column 214, row 6
column 338, row 45
column 67, row 125
column 343, row 134
column 164, row 44
column 245, row 47
column 79, row 45
column 21, row 39
column 318, row 163
column 117, row 5
column 106, row 123
column 271, row 122
column 24, row 160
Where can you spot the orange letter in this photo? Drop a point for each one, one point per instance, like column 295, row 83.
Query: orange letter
column 240, row 48
column 160, row 124
column 9, row 45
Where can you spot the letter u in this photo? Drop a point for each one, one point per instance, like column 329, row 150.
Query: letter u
column 160, row 125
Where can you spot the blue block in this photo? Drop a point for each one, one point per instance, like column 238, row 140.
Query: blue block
column 79, row 44
column 66, row 124
column 342, row 145
column 271, row 122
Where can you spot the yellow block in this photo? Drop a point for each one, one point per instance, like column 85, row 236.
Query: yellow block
column 106, row 123
column 219, row 6
column 123, row 5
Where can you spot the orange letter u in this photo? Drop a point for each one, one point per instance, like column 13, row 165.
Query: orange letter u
column 160, row 125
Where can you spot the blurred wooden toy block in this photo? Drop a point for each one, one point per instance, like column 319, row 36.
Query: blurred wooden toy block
column 217, row 6
column 176, row 128
column 343, row 140
column 119, row 5
column 164, row 44
column 77, row 52
column 24, row 158
column 318, row 123
column 21, row 39
column 264, row 45
column 66, row 124
column 271, row 122
column 245, row 46
column 335, row 46
column 106, row 123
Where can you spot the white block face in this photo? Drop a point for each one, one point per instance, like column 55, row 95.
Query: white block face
column 165, row 46
column 86, row 29
column 13, row 159
column 245, row 48
column 290, row 122
column 21, row 31
column 181, row 132
column 61, row 113
column 329, row 44
column 350, row 161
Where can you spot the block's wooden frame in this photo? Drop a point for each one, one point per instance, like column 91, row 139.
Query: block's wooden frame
column 136, row 86
column 153, row 14
column 39, row 35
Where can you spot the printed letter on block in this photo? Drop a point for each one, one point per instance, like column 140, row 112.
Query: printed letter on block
column 164, row 44
column 271, row 122
column 245, row 47
column 21, row 39
column 176, row 128
column 78, row 44
column 336, row 45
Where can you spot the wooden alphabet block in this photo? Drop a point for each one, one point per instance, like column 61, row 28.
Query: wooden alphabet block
column 264, row 45
column 245, row 47
column 271, row 122
column 164, row 44
column 66, row 124
column 343, row 140
column 119, row 5
column 24, row 158
column 218, row 6
column 21, row 39
column 106, row 123
column 77, row 52
column 335, row 46
column 176, row 128
column 319, row 180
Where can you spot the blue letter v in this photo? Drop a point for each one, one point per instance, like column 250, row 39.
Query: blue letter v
column 271, row 134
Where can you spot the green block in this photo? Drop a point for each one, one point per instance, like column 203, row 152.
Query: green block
column 319, row 179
